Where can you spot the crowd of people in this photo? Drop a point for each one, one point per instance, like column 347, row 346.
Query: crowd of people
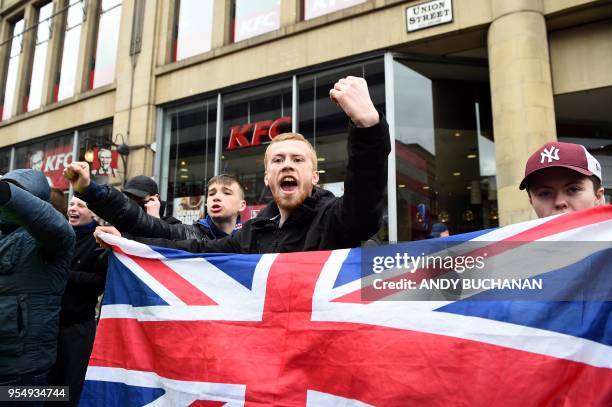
column 52, row 271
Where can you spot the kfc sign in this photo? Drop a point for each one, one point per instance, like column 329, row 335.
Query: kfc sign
column 52, row 164
column 252, row 134
column 104, row 162
column 258, row 18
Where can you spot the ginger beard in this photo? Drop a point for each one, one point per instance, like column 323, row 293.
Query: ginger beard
column 290, row 173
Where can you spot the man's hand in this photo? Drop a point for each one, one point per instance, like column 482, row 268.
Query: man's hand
column 351, row 94
column 78, row 175
column 105, row 229
column 153, row 206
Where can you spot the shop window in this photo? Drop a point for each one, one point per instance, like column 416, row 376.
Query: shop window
column 325, row 125
column 102, row 70
column 96, row 147
column 192, row 28
column 5, row 161
column 43, row 33
column 584, row 118
column 50, row 156
column 316, row 8
column 444, row 151
column 192, row 158
column 252, row 18
column 250, row 120
column 16, row 43
column 75, row 16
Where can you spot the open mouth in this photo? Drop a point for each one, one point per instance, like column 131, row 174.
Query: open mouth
column 288, row 184
column 73, row 217
column 215, row 208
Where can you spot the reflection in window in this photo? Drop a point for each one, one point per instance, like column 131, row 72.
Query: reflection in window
column 13, row 66
column 193, row 28
column 444, row 151
column 250, row 120
column 5, row 161
column 70, row 51
column 43, row 33
column 316, row 8
column 192, row 158
column 584, row 118
column 103, row 66
column 325, row 125
column 50, row 156
column 252, row 18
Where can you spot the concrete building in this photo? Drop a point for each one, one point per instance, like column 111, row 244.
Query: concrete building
column 197, row 87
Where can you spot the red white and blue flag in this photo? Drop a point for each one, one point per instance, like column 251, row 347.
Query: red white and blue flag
column 292, row 329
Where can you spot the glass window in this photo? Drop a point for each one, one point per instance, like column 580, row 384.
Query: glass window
column 192, row 158
column 96, row 147
column 43, row 33
column 584, row 118
column 70, row 51
column 50, row 156
column 5, row 161
column 193, row 28
column 252, row 18
column 103, row 65
column 316, row 8
column 13, row 66
column 444, row 151
column 250, row 120
column 325, row 125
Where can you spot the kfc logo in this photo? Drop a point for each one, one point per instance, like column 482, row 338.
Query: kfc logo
column 52, row 164
column 239, row 135
column 104, row 162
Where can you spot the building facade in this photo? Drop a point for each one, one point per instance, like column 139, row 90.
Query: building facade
column 196, row 88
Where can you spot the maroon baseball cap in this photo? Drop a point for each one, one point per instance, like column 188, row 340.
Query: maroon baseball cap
column 566, row 155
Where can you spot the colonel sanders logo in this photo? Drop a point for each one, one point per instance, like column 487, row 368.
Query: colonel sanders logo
column 104, row 162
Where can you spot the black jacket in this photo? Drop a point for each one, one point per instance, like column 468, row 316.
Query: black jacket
column 86, row 279
column 36, row 245
column 322, row 222
column 128, row 217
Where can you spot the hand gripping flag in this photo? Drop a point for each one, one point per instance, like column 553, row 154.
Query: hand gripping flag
column 295, row 329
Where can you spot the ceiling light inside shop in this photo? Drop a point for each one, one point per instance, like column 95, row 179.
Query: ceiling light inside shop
column 425, row 187
column 322, row 171
column 401, row 186
column 457, row 134
column 321, row 159
column 456, row 174
column 184, row 169
column 183, row 163
column 472, row 155
column 184, row 176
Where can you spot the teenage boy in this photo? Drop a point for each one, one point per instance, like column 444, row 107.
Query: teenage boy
column 562, row 177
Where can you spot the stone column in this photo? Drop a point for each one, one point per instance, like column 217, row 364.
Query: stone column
column 522, row 97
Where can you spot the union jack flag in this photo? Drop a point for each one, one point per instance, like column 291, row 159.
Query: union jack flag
column 293, row 329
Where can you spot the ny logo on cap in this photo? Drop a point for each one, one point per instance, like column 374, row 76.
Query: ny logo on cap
column 551, row 154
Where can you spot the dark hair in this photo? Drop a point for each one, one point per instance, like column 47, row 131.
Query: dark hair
column 225, row 179
column 58, row 200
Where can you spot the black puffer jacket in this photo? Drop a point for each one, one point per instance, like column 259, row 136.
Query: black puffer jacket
column 36, row 246
column 86, row 279
column 322, row 222
column 128, row 217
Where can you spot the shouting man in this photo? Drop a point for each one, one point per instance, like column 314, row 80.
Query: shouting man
column 303, row 216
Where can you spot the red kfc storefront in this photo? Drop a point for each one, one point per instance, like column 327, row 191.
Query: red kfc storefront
column 51, row 154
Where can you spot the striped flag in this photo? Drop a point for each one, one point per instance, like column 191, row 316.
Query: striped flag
column 294, row 329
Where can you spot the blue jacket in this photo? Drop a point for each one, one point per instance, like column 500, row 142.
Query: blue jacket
column 36, row 247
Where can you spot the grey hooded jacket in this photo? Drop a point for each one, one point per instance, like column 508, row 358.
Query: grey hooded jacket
column 36, row 247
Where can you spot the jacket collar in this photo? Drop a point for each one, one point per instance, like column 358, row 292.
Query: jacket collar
column 217, row 233
column 271, row 215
